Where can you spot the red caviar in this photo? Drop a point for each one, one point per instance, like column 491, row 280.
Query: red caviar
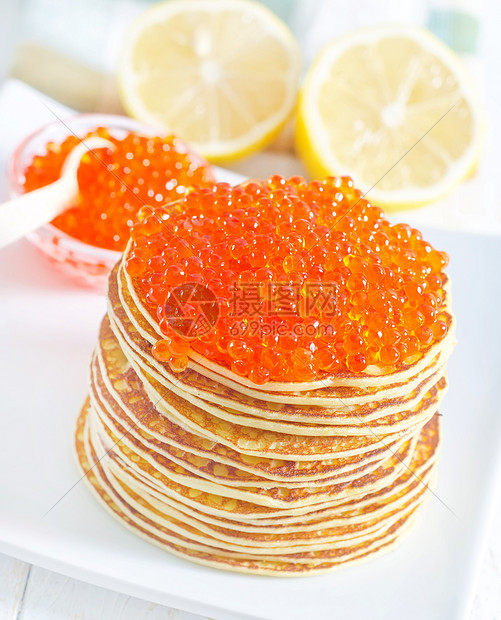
column 140, row 170
column 282, row 238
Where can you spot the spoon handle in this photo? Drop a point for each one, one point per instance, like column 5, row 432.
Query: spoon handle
column 29, row 211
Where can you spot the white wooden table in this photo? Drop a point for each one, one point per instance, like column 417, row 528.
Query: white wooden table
column 28, row 592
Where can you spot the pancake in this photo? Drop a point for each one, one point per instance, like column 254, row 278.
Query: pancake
column 285, row 554
column 278, row 497
column 117, row 392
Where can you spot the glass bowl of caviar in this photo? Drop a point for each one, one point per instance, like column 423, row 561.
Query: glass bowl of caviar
column 146, row 168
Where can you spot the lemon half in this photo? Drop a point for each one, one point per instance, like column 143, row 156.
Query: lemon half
column 393, row 107
column 222, row 74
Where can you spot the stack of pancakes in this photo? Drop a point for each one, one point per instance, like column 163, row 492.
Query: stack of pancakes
column 275, row 479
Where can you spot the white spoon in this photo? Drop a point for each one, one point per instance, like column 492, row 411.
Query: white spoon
column 29, row 211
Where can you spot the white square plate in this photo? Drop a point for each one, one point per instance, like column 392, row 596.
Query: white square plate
column 47, row 331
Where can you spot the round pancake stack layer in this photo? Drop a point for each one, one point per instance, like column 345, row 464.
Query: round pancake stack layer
column 275, row 479
column 278, row 483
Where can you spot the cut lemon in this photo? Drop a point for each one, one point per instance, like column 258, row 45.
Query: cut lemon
column 393, row 108
column 222, row 74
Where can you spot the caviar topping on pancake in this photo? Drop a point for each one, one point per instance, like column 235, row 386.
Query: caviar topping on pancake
column 310, row 281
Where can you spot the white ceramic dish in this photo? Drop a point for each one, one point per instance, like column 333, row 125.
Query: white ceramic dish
column 47, row 331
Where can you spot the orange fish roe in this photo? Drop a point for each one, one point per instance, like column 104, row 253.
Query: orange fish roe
column 140, row 170
column 292, row 236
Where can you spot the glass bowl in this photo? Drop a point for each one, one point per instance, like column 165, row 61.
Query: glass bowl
column 84, row 263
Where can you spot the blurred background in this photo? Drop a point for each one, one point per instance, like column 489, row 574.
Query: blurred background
column 69, row 51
